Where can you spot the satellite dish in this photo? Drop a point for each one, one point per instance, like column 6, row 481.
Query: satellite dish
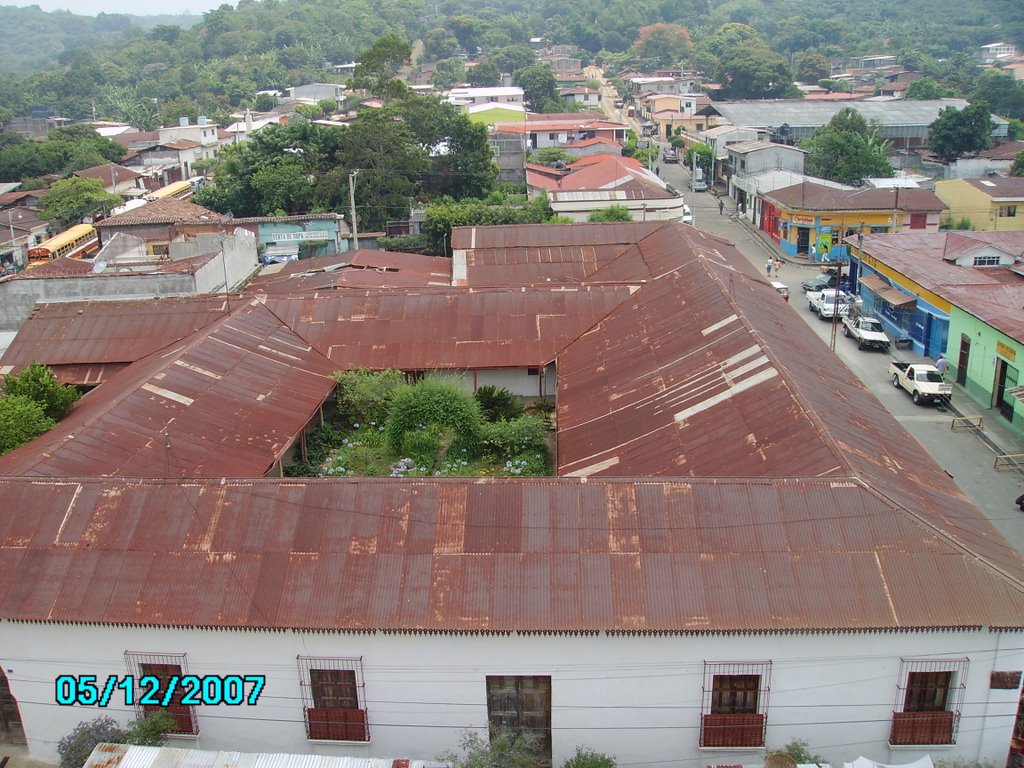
column 98, row 267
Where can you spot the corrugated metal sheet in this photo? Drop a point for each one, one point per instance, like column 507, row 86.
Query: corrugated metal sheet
column 79, row 338
column 543, row 554
column 359, row 269
column 225, row 402
column 459, row 329
column 127, row 756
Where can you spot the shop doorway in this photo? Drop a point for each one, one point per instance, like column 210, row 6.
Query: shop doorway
column 965, row 355
column 11, row 731
column 1006, row 379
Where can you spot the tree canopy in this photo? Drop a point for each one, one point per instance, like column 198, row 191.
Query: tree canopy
column 662, row 45
column 539, row 88
column 957, row 132
column 71, row 200
column 847, row 150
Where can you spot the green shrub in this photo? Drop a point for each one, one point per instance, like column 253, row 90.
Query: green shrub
column 525, row 434
column 434, row 401
column 364, row 396
column 38, row 383
column 426, row 446
column 22, row 419
column 588, row 758
column 498, row 403
column 797, row 749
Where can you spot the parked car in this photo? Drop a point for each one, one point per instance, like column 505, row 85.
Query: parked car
column 820, row 282
column 671, row 156
column 828, row 301
column 923, row 382
column 866, row 330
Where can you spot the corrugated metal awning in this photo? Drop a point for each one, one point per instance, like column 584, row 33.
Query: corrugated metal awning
column 889, row 294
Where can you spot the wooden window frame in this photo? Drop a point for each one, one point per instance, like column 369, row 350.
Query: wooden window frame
column 929, row 697
column 734, row 709
column 330, row 687
column 163, row 665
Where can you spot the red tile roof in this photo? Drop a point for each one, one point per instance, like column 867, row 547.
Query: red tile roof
column 1008, row 150
column 358, row 269
column 165, row 211
column 1011, row 188
column 108, row 173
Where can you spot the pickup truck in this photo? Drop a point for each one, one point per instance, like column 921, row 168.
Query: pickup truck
column 866, row 330
column 923, row 382
column 825, row 304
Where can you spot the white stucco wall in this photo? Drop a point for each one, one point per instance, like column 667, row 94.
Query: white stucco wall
column 636, row 698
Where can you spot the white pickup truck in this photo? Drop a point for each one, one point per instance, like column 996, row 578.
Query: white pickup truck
column 826, row 302
column 866, row 330
column 923, row 382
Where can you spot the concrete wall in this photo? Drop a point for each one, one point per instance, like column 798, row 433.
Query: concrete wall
column 636, row 698
column 17, row 297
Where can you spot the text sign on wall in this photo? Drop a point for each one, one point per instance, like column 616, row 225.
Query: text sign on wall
column 1008, row 352
column 798, row 219
column 314, row 235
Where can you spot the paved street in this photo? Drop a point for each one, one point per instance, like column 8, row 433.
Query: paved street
column 966, row 456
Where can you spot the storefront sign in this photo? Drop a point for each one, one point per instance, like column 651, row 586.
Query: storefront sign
column 315, row 234
column 1008, row 352
column 798, row 219
column 825, row 230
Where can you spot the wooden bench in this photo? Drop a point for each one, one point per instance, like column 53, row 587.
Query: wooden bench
column 1015, row 460
column 966, row 422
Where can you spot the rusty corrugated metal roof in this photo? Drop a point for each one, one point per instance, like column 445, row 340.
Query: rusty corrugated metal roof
column 359, row 269
column 810, row 507
column 461, row 329
column 499, row 555
column 80, row 338
column 225, row 402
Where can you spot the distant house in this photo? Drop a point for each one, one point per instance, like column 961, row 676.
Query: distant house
column 994, row 161
column 161, row 222
column 559, row 129
column 115, row 179
column 301, row 237
column 993, row 52
column 993, row 204
column 463, row 97
column 747, row 160
column 587, row 97
column 172, row 151
column 810, row 214
column 314, row 92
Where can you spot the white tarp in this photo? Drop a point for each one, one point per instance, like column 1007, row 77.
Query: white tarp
column 864, row 762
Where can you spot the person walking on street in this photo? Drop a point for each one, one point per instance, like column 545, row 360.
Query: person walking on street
column 721, row 207
column 778, row 267
column 768, row 267
column 942, row 365
column 813, row 252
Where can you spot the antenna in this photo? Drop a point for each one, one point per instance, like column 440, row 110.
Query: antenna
column 98, row 267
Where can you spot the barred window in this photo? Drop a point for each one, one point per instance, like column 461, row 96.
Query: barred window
column 161, row 667
column 735, row 704
column 333, row 698
column 929, row 695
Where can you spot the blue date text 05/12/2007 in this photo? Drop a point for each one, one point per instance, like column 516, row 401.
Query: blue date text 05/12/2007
column 150, row 690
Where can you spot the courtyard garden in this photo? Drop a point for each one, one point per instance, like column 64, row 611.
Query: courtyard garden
column 384, row 426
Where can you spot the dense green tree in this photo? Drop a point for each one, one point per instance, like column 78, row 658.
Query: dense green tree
column 150, row 731
column 1003, row 94
column 439, row 44
column 448, row 73
column 611, row 213
column 1017, row 169
column 847, row 150
column 512, row 58
column 588, row 758
column 70, row 200
column 539, row 88
column 957, row 132
column 38, row 383
column 753, row 73
column 484, row 75
column 662, row 45
column 379, row 66
column 812, row 67
column 468, row 30
column 927, row 89
column 705, row 158
column 21, row 421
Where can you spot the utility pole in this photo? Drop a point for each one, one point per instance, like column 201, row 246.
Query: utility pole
column 352, row 206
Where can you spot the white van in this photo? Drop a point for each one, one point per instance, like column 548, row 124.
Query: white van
column 687, row 215
column 782, row 289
